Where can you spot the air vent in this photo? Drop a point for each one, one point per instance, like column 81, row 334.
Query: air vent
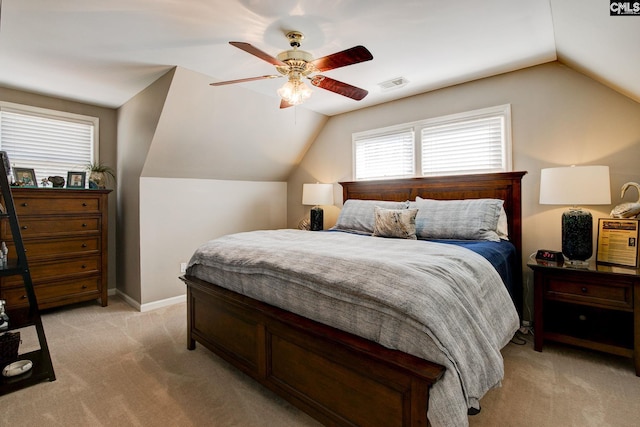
column 395, row 83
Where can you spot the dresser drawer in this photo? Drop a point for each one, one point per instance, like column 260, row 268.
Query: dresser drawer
column 615, row 295
column 54, row 294
column 42, row 272
column 52, row 226
column 43, row 249
column 33, row 205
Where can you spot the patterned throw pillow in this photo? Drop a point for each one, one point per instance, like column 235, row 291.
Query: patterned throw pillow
column 399, row 223
column 357, row 216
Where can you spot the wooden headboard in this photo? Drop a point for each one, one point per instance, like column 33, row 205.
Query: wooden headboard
column 504, row 186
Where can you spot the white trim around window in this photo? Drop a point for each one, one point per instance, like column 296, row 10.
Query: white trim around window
column 477, row 141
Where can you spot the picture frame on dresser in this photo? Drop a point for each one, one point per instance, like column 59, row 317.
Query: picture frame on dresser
column 25, row 177
column 76, row 179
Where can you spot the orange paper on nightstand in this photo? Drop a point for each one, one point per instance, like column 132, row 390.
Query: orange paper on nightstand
column 618, row 241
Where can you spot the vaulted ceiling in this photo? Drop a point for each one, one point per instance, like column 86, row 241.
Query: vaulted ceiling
column 105, row 52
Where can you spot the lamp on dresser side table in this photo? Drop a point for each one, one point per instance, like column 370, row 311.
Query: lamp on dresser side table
column 595, row 307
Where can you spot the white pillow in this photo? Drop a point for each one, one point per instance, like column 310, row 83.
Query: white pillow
column 468, row 219
column 503, row 225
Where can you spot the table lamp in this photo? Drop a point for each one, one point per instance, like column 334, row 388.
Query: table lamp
column 317, row 194
column 576, row 186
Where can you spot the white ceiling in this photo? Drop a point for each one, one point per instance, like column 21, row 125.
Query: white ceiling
column 104, row 52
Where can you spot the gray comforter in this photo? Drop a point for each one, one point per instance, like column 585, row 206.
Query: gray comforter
column 439, row 302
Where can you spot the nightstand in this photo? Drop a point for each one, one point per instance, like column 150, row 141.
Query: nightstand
column 596, row 307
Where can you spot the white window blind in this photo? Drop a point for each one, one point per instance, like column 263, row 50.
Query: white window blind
column 477, row 141
column 51, row 144
column 464, row 146
column 384, row 155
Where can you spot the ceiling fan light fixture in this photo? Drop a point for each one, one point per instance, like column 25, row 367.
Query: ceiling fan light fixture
column 296, row 64
column 294, row 91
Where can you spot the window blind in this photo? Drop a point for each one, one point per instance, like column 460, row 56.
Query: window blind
column 51, row 145
column 464, row 146
column 385, row 155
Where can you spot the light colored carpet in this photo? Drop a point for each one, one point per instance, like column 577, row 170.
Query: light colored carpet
column 118, row 367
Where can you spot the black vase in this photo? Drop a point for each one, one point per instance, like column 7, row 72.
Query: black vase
column 577, row 234
column 317, row 219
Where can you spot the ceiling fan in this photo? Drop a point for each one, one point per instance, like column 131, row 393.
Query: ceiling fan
column 297, row 64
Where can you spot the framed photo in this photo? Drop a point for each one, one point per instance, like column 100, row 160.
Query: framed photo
column 76, row 179
column 25, row 177
column 618, row 241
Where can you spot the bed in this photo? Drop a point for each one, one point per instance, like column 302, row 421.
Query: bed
column 323, row 363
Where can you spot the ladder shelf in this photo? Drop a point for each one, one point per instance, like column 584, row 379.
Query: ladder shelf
column 22, row 317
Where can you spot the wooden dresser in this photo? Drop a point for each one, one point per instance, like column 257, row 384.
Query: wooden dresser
column 65, row 237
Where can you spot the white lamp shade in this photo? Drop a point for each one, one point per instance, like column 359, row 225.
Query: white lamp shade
column 575, row 186
column 317, row 194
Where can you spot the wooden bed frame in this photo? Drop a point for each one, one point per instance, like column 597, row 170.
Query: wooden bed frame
column 336, row 377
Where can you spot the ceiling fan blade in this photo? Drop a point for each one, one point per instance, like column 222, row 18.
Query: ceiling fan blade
column 285, row 104
column 340, row 88
column 257, row 52
column 250, row 79
column 342, row 59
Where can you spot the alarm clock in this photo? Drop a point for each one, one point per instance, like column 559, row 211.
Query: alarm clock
column 549, row 256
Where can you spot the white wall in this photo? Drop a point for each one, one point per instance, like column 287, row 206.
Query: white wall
column 180, row 128
column 178, row 215
column 227, row 132
column 137, row 121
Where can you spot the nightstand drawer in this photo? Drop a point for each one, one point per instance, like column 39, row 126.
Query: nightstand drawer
column 616, row 295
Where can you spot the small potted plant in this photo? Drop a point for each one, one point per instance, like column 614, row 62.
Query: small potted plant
column 99, row 175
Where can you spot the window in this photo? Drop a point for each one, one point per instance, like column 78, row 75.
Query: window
column 477, row 141
column 50, row 142
column 388, row 155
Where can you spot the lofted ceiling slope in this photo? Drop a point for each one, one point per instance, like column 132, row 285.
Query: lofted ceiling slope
column 104, row 53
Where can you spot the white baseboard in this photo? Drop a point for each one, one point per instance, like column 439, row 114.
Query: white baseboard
column 163, row 303
column 151, row 305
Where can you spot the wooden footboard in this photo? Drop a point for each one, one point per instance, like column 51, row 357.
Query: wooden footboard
column 336, row 377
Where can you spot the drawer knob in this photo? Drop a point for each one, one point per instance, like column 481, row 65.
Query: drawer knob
column 83, row 266
column 584, row 290
column 84, row 245
column 84, row 286
column 84, row 225
column 25, row 204
column 84, row 204
column 23, row 297
column 24, row 227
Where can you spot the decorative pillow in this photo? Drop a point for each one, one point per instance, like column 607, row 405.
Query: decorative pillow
column 469, row 219
column 357, row 216
column 400, row 223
